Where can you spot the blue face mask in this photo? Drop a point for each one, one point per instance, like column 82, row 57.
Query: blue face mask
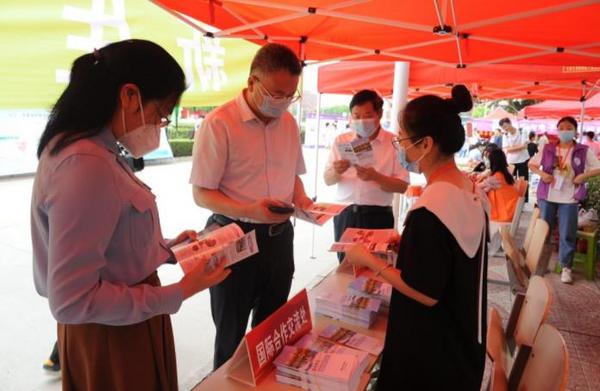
column 364, row 127
column 566, row 135
column 408, row 166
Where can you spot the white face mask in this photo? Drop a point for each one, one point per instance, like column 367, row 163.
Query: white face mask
column 141, row 140
column 270, row 106
column 364, row 127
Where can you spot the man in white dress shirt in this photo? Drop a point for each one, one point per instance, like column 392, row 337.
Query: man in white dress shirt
column 514, row 144
column 247, row 160
column 368, row 188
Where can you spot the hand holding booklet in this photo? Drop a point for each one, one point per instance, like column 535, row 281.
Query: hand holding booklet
column 357, row 152
column 319, row 213
column 375, row 240
column 227, row 242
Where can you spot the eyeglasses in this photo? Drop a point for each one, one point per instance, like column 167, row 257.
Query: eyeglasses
column 397, row 140
column 164, row 119
column 292, row 98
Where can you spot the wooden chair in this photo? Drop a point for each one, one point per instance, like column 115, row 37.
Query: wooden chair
column 515, row 261
column 547, row 368
column 498, row 380
column 519, row 266
column 521, row 186
column 528, row 234
column 510, row 348
column 514, row 224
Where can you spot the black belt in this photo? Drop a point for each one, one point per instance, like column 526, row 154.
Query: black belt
column 270, row 229
column 370, row 209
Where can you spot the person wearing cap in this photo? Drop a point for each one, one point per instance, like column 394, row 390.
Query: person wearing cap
column 368, row 189
column 247, row 160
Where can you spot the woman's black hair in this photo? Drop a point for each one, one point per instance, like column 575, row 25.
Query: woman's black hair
column 568, row 119
column 438, row 118
column 498, row 164
column 90, row 100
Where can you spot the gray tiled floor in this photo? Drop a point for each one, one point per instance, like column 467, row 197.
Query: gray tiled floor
column 575, row 311
column 27, row 329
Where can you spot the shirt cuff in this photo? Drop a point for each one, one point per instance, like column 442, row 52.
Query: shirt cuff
column 171, row 297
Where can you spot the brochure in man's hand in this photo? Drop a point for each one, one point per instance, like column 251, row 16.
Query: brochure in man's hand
column 357, row 152
column 227, row 242
column 319, row 213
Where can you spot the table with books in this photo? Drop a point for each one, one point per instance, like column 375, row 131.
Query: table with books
column 242, row 372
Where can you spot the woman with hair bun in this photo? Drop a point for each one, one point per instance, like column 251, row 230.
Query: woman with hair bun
column 437, row 325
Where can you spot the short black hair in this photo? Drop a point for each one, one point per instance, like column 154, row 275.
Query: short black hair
column 505, row 120
column 274, row 57
column 364, row 96
column 590, row 134
column 438, row 118
column 568, row 119
column 531, row 135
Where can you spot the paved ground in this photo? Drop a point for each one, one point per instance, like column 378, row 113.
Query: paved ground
column 575, row 311
column 27, row 329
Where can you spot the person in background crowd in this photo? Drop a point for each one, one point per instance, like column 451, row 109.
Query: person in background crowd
column 436, row 333
column 563, row 170
column 368, row 190
column 500, row 189
column 247, row 162
column 514, row 144
column 497, row 138
column 532, row 147
column 590, row 141
column 542, row 140
column 95, row 232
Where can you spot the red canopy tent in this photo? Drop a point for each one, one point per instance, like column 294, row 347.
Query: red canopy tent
column 466, row 33
column 561, row 108
column 490, row 82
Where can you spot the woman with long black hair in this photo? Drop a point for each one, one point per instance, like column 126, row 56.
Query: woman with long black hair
column 96, row 236
column 499, row 186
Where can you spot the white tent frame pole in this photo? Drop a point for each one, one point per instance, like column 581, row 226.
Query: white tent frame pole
column 530, row 55
column 306, row 11
column 241, row 19
column 279, row 19
column 312, row 246
column 335, row 14
column 528, row 14
column 531, row 46
column 399, row 97
column 582, row 114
